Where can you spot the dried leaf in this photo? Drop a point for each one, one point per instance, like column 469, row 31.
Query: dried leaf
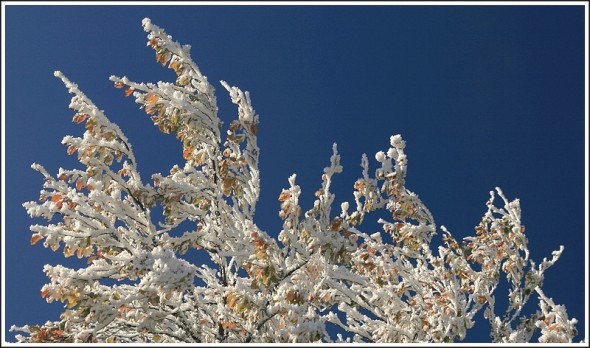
column 151, row 98
column 186, row 154
column 79, row 118
column 285, row 195
column 335, row 224
column 35, row 238
column 56, row 198
column 129, row 91
column 44, row 293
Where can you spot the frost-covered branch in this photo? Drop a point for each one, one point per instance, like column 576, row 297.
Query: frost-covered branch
column 241, row 284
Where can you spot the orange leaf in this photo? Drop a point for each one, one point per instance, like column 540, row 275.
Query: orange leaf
column 91, row 258
column 119, row 84
column 57, row 333
column 187, row 153
column 161, row 58
column 79, row 118
column 44, row 293
column 254, row 129
column 285, row 195
column 56, row 198
column 129, row 91
column 151, row 98
column 35, row 238
column 79, row 184
column 71, row 150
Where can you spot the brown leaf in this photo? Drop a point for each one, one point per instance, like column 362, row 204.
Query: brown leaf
column 44, row 293
column 285, row 195
column 79, row 118
column 35, row 238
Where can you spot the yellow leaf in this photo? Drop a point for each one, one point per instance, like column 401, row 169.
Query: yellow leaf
column 69, row 251
column 231, row 299
column 72, row 300
column 176, row 66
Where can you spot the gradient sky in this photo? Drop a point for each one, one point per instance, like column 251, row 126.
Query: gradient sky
column 484, row 96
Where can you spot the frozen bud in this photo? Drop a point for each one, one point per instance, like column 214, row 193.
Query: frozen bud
column 147, row 24
column 397, row 142
column 392, row 153
column 380, row 156
column 344, row 207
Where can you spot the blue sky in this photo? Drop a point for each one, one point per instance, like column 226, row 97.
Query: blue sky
column 484, row 96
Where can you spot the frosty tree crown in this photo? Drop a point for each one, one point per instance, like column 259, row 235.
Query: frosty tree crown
column 322, row 279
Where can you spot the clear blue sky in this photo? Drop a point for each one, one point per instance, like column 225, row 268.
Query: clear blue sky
column 484, row 96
